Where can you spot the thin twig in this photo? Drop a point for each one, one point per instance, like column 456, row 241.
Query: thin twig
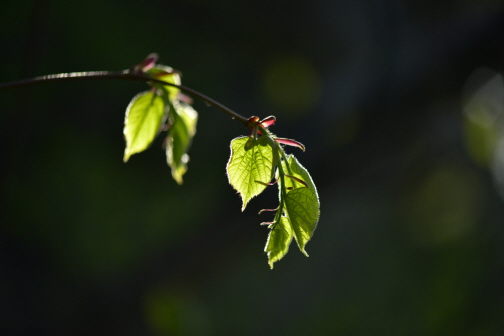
column 122, row 75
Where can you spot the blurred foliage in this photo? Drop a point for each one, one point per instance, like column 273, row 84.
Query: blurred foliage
column 408, row 165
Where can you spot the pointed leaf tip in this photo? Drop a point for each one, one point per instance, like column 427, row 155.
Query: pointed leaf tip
column 279, row 239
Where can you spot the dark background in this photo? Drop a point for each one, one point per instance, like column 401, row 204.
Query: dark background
column 407, row 163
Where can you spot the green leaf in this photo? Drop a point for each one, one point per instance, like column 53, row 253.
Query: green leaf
column 143, row 119
column 294, row 168
column 250, row 166
column 302, row 209
column 302, row 205
column 278, row 241
column 182, row 131
column 167, row 74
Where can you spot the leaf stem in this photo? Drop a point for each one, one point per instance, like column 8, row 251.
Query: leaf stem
column 281, row 182
column 121, row 75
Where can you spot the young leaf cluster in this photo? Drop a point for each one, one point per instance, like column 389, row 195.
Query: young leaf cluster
column 258, row 159
column 255, row 160
column 163, row 107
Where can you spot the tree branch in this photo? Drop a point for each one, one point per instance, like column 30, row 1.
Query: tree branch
column 122, row 75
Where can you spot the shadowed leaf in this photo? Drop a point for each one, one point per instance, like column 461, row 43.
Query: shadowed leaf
column 179, row 138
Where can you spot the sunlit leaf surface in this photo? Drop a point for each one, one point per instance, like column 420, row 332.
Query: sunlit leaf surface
column 278, row 241
column 250, row 166
column 295, row 169
column 142, row 122
column 302, row 206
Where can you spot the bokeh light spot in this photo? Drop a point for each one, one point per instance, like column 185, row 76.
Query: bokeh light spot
column 175, row 312
column 484, row 110
column 292, row 85
column 446, row 205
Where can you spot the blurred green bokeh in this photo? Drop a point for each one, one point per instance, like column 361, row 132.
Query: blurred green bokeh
column 405, row 142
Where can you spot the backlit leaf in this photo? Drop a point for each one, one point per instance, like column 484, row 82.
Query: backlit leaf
column 143, row 119
column 250, row 166
column 302, row 209
column 302, row 205
column 179, row 138
column 278, row 241
column 167, row 74
column 294, row 168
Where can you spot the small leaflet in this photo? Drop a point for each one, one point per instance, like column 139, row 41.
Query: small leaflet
column 167, row 74
column 142, row 122
column 278, row 242
column 179, row 139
